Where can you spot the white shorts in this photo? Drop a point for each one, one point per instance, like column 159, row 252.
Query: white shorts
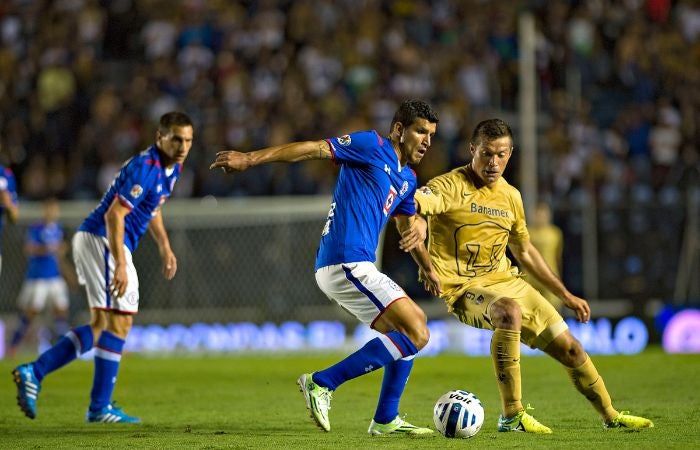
column 359, row 288
column 94, row 265
column 35, row 294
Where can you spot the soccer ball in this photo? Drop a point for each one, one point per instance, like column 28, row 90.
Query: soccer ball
column 458, row 414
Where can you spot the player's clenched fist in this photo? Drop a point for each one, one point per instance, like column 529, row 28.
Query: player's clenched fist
column 231, row 161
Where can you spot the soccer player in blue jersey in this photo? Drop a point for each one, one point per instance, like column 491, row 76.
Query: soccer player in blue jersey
column 102, row 250
column 8, row 199
column 375, row 182
column 44, row 283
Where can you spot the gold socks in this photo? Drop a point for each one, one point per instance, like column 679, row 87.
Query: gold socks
column 505, row 352
column 591, row 385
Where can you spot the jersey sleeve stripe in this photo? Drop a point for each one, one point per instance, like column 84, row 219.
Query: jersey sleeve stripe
column 330, row 144
column 125, row 202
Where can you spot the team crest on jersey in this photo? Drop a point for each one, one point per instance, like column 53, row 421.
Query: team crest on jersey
column 136, row 191
column 344, row 140
column 425, row 190
column 389, row 200
column 404, row 188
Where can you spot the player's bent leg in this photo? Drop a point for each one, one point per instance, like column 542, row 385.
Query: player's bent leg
column 522, row 422
column 28, row 377
column 406, row 317
column 378, row 352
column 406, row 321
column 626, row 420
column 318, row 400
column 583, row 374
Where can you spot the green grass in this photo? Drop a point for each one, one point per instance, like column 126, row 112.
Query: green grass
column 244, row 401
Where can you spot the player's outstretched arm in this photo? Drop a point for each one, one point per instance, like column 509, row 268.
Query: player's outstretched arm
column 233, row 161
column 533, row 262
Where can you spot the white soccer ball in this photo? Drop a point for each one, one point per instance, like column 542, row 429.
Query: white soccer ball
column 458, row 414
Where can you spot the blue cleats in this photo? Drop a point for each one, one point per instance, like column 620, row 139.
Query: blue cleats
column 28, row 388
column 110, row 414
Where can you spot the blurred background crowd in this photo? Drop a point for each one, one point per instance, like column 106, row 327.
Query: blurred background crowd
column 83, row 81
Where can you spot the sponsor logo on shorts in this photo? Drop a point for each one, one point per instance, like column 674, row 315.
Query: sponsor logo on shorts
column 425, row 190
column 394, row 286
column 132, row 299
column 344, row 140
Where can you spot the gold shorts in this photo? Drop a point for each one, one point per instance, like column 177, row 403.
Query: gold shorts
column 541, row 322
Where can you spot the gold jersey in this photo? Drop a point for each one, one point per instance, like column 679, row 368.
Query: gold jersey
column 470, row 228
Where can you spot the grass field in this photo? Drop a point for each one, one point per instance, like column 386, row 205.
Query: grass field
column 245, row 401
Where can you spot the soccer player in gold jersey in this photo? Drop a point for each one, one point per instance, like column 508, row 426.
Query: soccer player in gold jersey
column 473, row 214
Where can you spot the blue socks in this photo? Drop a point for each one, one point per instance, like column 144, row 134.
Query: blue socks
column 108, row 354
column 395, row 377
column 21, row 330
column 76, row 342
column 376, row 353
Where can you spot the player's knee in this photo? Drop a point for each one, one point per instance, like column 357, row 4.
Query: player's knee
column 420, row 337
column 571, row 353
column 506, row 313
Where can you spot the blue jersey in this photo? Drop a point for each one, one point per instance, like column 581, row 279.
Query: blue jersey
column 371, row 187
column 8, row 184
column 142, row 185
column 46, row 235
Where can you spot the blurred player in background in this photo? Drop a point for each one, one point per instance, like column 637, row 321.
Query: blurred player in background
column 375, row 182
column 473, row 215
column 8, row 200
column 548, row 239
column 44, row 283
column 102, row 250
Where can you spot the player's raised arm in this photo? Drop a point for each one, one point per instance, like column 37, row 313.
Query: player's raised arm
column 232, row 160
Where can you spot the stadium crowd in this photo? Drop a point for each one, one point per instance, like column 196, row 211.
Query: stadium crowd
column 619, row 89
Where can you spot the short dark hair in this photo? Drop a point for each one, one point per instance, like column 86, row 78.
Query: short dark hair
column 489, row 130
column 173, row 119
column 410, row 110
